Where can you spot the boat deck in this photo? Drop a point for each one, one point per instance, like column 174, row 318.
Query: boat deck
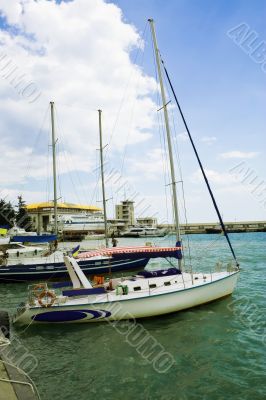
column 136, row 290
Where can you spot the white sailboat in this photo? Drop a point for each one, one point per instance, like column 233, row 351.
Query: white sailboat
column 144, row 295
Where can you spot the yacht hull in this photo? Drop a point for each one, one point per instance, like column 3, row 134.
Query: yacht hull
column 44, row 271
column 138, row 307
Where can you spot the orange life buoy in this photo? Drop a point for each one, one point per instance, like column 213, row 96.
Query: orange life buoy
column 47, row 294
column 39, row 288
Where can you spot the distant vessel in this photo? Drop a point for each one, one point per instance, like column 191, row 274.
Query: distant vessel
column 83, row 222
column 18, row 234
column 143, row 231
column 18, row 252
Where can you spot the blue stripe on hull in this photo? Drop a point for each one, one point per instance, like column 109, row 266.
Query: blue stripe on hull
column 24, row 273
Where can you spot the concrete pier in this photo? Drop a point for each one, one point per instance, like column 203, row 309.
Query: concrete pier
column 14, row 384
column 231, row 227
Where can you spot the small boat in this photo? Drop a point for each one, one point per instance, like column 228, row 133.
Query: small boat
column 26, row 263
column 4, row 239
column 18, row 234
column 147, row 294
column 143, row 231
column 17, row 251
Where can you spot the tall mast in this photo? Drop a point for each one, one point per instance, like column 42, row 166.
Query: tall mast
column 54, row 166
column 168, row 133
column 102, row 175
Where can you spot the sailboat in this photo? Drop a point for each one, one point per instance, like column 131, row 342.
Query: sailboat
column 147, row 294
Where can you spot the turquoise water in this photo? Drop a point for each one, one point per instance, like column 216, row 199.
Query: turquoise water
column 218, row 350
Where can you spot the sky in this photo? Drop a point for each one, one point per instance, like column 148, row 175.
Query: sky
column 87, row 55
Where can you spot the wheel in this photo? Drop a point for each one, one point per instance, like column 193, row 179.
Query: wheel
column 5, row 324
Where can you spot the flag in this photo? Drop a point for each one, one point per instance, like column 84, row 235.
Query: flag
column 75, row 251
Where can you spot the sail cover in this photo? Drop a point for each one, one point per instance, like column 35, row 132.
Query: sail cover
column 134, row 252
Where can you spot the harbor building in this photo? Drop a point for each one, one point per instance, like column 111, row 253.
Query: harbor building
column 125, row 212
column 42, row 214
column 147, row 221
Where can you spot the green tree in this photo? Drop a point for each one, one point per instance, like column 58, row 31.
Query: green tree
column 7, row 213
column 22, row 217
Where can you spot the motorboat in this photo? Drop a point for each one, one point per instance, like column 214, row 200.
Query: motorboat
column 143, row 231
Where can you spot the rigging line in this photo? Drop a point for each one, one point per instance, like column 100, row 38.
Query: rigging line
column 142, row 38
column 34, row 145
column 73, row 172
column 161, row 130
column 126, row 88
column 59, row 134
column 97, row 174
column 47, row 176
column 201, row 167
column 176, row 147
column 59, row 173
column 137, row 81
column 165, row 165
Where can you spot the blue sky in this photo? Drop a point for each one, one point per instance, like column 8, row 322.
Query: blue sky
column 220, row 87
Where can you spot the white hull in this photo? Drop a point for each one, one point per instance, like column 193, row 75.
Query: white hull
column 163, row 300
column 4, row 240
column 91, row 227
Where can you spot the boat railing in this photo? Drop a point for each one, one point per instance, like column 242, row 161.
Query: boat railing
column 34, row 291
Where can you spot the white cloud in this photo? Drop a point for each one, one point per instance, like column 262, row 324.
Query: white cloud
column 151, row 167
column 208, row 139
column 239, row 154
column 78, row 54
column 215, row 177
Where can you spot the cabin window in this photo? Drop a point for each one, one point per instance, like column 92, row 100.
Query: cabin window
column 39, row 268
column 136, row 288
column 50, row 267
column 167, row 283
column 153, row 285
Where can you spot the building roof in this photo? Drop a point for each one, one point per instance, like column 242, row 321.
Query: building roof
column 50, row 204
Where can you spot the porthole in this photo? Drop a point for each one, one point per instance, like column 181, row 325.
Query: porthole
column 153, row 285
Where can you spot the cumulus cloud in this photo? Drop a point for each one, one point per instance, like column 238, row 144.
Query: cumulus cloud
column 151, row 167
column 239, row 154
column 77, row 54
column 215, row 177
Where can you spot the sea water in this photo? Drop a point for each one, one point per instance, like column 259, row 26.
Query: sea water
column 212, row 352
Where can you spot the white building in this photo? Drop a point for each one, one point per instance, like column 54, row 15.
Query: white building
column 42, row 214
column 125, row 212
column 147, row 221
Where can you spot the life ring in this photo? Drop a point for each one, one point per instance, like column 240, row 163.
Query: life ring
column 39, row 288
column 47, row 294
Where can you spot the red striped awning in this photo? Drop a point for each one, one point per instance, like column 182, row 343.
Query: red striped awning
column 109, row 252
